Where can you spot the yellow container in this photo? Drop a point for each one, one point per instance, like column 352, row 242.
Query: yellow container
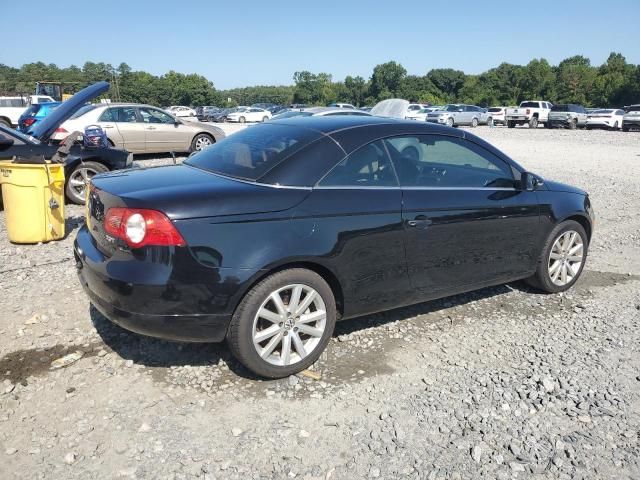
column 33, row 197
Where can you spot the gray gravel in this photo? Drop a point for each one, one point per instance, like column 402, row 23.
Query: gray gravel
column 499, row 383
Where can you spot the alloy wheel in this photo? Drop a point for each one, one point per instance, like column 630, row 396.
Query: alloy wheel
column 566, row 258
column 289, row 324
column 80, row 179
column 202, row 142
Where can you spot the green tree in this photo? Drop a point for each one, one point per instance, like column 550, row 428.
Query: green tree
column 386, row 80
column 575, row 80
column 448, row 81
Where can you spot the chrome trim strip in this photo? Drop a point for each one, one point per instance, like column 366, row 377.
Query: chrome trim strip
column 484, row 189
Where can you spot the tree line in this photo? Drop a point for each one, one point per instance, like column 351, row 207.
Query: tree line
column 615, row 83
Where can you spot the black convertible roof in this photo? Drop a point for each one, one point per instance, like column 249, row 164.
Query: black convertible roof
column 334, row 123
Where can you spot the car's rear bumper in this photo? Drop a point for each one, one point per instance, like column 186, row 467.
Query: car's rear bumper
column 187, row 302
column 631, row 123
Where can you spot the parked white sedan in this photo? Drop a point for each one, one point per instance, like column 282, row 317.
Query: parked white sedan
column 605, row 118
column 421, row 115
column 181, row 111
column 250, row 114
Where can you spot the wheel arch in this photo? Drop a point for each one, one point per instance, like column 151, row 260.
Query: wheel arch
column 326, row 274
column 583, row 221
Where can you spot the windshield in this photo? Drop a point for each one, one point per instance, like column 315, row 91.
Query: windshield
column 252, row 152
column 82, row 111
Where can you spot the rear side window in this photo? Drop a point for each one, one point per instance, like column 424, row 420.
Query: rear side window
column 561, row 108
column 119, row 114
column 12, row 102
column 446, row 162
column 254, row 151
column 369, row 166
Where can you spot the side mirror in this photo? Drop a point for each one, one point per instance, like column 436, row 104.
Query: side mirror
column 6, row 142
column 530, row 182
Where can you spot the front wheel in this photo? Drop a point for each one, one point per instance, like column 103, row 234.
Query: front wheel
column 77, row 183
column 573, row 124
column 474, row 122
column 450, row 121
column 562, row 259
column 200, row 142
column 283, row 324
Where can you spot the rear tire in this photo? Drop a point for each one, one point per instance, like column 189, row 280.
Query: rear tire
column 242, row 119
column 264, row 119
column 76, row 184
column 615, row 125
column 248, row 329
column 5, row 123
column 542, row 279
column 533, row 123
column 625, row 129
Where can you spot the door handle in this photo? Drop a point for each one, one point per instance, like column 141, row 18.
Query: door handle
column 421, row 221
column 107, row 126
column 151, row 128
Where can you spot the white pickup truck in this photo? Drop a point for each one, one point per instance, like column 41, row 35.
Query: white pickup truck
column 12, row 107
column 529, row 112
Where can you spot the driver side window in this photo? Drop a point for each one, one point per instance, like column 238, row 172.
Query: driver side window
column 151, row 115
column 369, row 166
column 447, row 162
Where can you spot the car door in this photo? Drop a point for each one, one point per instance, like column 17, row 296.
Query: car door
column 163, row 133
column 466, row 223
column 123, row 129
column 356, row 208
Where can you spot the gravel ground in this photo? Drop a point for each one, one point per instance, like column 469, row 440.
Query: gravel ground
column 499, row 383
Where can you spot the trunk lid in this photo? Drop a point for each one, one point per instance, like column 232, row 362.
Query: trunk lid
column 182, row 192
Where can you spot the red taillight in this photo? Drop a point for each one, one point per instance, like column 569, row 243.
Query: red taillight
column 528, row 111
column 139, row 227
column 29, row 121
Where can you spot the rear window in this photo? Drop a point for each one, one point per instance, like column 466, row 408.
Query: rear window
column 634, row 108
column 31, row 111
column 530, row 104
column 252, row 152
column 495, row 109
column 82, row 110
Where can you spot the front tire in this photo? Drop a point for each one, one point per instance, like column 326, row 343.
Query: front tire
column 562, row 259
column 200, row 142
column 283, row 324
column 450, row 122
column 474, row 122
column 76, row 185
column 573, row 124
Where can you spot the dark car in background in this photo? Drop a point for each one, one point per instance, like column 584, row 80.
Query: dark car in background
column 80, row 163
column 34, row 113
column 271, row 235
column 205, row 114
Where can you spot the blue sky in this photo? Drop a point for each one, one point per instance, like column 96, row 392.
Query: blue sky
column 247, row 42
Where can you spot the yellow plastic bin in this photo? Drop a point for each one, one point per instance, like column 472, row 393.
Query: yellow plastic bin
column 33, row 198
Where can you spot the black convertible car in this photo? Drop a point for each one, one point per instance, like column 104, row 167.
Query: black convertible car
column 80, row 163
column 271, row 235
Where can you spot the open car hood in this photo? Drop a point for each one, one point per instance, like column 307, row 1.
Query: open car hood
column 45, row 128
column 393, row 107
